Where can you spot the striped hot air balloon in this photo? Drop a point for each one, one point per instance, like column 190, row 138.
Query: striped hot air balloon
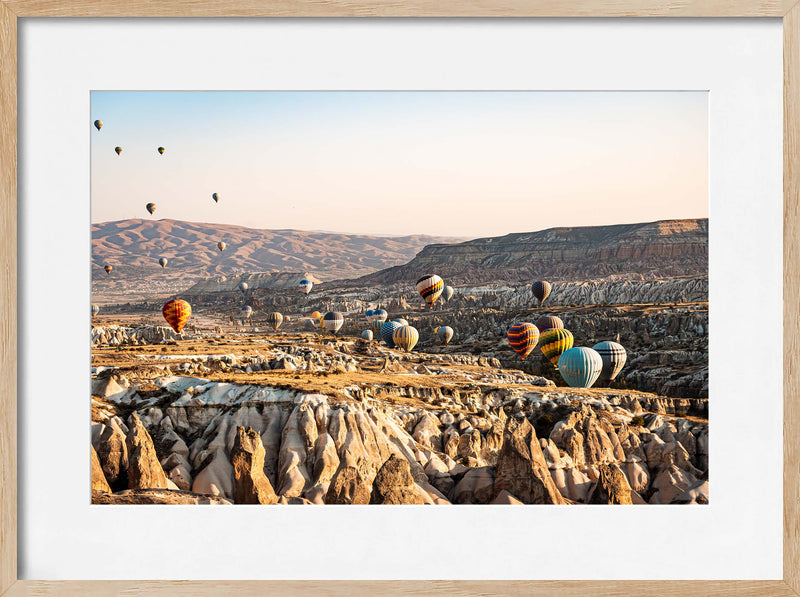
column 177, row 312
column 406, row 337
column 108, row 268
column 580, row 367
column 541, row 290
column 523, row 338
column 95, row 310
column 614, row 358
column 554, row 342
column 387, row 332
column 332, row 321
column 549, row 322
column 375, row 325
column 430, row 287
column 305, row 286
column 445, row 332
column 367, row 334
column 275, row 320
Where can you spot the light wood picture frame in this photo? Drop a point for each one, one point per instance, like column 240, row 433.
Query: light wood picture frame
column 12, row 10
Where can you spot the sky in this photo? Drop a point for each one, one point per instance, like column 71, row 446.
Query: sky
column 462, row 164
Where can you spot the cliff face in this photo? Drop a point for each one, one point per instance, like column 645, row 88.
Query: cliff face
column 636, row 251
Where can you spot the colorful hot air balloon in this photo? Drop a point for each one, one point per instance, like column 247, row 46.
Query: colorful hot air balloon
column 614, row 358
column 161, row 150
column 221, row 246
column 430, row 287
column 108, row 268
column 541, row 290
column 388, row 329
column 215, row 197
column 177, row 313
column 367, row 334
column 242, row 286
column 332, row 322
column 118, row 150
column 554, row 342
column 150, row 207
column 305, row 286
column 375, row 326
column 98, row 124
column 275, row 320
column 549, row 322
column 406, row 337
column 163, row 262
column 247, row 311
column 580, row 367
column 400, row 320
column 448, row 293
column 95, row 308
column 445, row 332
column 523, row 338
column 316, row 315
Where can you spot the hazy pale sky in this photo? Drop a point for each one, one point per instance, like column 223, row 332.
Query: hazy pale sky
column 467, row 164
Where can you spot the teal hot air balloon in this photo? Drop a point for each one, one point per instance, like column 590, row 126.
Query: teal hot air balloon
column 614, row 358
column 580, row 366
column 406, row 337
column 387, row 332
column 369, row 313
column 367, row 334
column 375, row 326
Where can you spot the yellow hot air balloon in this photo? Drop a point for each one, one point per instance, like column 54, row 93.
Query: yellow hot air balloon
column 98, row 124
column 406, row 337
column 161, row 150
column 555, row 342
column 275, row 320
column 118, row 150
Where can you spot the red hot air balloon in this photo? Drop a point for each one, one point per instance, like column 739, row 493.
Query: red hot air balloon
column 523, row 338
column 177, row 312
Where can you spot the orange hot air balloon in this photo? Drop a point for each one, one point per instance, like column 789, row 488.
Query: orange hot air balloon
column 177, row 313
column 108, row 269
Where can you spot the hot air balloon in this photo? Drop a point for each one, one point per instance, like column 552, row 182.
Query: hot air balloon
column 580, row 367
column 375, row 326
column 150, row 207
column 305, row 286
column 311, row 325
column 161, row 150
column 275, row 320
column 406, row 337
column 242, row 286
column 523, row 338
column 118, row 150
column 549, row 322
column 614, row 357
column 98, row 124
column 332, row 321
column 316, row 315
column 380, row 315
column 430, row 287
column 367, row 334
column 221, row 246
column 445, row 332
column 108, row 268
column 388, row 329
column 215, row 197
column 448, row 293
column 177, row 313
column 368, row 315
column 247, row 311
column 554, row 342
column 400, row 320
column 541, row 290
column 163, row 262
column 95, row 308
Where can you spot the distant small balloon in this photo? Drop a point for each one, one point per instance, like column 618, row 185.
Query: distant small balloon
column 215, row 197
column 243, row 287
column 445, row 332
column 305, row 286
column 221, row 246
column 247, row 311
column 108, row 269
column 163, row 262
column 95, row 310
column 151, row 207
column 98, row 124
column 161, row 150
column 400, row 320
column 118, row 150
column 275, row 320
column 367, row 334
column 541, row 290
column 448, row 293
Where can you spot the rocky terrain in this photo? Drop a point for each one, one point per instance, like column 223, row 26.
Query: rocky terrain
column 304, row 419
column 134, row 246
column 654, row 250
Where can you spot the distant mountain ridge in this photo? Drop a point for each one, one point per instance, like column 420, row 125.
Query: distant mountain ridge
column 651, row 250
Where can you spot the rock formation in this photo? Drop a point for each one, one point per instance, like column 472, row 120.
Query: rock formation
column 250, row 484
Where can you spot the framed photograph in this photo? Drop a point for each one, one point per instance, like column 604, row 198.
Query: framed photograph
column 384, row 306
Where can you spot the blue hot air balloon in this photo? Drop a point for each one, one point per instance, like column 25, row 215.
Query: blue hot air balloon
column 369, row 314
column 380, row 315
column 387, row 332
column 305, row 286
column 95, row 308
column 580, row 366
